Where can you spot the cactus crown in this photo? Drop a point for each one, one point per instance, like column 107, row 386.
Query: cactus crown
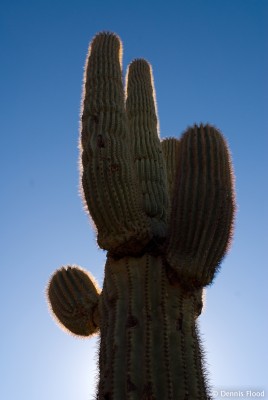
column 176, row 195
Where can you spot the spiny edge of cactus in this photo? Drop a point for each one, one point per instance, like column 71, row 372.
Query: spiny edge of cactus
column 104, row 35
column 203, row 363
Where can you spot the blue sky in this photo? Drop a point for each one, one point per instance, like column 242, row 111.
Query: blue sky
column 210, row 63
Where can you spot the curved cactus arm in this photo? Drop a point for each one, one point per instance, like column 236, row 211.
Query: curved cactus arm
column 109, row 183
column 203, row 206
column 73, row 298
column 146, row 146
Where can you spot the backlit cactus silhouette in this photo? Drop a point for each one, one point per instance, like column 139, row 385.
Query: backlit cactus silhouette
column 164, row 212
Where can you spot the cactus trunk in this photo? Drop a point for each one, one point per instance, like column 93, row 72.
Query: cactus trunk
column 149, row 339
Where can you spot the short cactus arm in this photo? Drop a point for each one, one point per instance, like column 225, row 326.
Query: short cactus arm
column 203, row 206
column 73, row 297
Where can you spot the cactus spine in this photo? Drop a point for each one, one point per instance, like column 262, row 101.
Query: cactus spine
column 164, row 212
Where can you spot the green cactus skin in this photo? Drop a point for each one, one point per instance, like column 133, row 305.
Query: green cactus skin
column 146, row 146
column 149, row 340
column 171, row 152
column 74, row 296
column 108, row 179
column 203, row 206
column 164, row 211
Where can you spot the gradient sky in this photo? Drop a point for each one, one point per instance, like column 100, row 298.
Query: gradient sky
column 210, row 63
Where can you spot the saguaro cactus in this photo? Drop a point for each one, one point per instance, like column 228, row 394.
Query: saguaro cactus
column 164, row 212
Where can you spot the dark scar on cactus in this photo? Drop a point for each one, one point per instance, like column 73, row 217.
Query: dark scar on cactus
column 132, row 321
column 100, row 141
column 115, row 168
column 95, row 119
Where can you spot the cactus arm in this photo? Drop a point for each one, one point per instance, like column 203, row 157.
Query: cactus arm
column 73, row 297
column 202, row 207
column 109, row 183
column 147, row 152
